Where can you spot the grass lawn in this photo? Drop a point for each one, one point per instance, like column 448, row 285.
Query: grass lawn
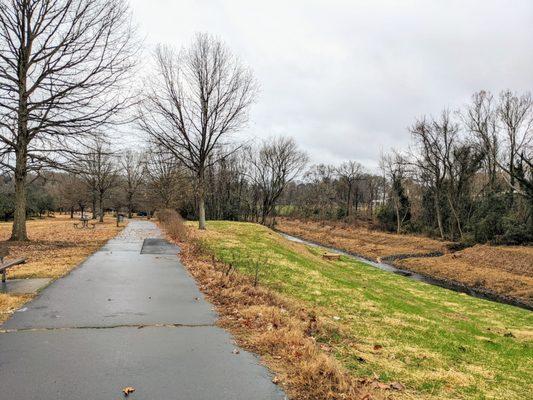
column 55, row 247
column 438, row 343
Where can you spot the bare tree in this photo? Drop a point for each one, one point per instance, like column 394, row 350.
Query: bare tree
column 350, row 172
column 375, row 186
column 62, row 63
column 99, row 168
column 481, row 119
column 72, row 192
column 515, row 113
column 196, row 100
column 167, row 181
column 433, row 144
column 318, row 197
column 276, row 163
column 394, row 167
column 134, row 167
column 462, row 164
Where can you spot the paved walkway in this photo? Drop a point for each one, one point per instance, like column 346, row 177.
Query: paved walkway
column 125, row 319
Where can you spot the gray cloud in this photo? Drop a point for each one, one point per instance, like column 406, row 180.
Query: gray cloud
column 346, row 78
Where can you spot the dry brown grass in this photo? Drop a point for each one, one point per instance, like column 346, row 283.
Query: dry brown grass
column 280, row 330
column 173, row 223
column 10, row 303
column 359, row 240
column 54, row 249
column 506, row 270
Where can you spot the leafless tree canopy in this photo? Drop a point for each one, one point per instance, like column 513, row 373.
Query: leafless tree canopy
column 168, row 182
column 350, row 172
column 63, row 64
column 99, row 169
column 133, row 165
column 196, row 99
column 276, row 163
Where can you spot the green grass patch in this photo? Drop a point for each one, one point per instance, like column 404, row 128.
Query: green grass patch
column 439, row 343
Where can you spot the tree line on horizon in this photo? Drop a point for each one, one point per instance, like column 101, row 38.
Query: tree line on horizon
column 66, row 73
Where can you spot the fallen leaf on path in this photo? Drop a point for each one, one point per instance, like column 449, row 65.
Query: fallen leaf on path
column 128, row 390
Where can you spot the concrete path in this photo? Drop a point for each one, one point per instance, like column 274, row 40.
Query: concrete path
column 126, row 319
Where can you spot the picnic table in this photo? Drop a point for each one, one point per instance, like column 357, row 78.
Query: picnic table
column 84, row 224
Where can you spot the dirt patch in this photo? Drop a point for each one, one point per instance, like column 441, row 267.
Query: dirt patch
column 55, row 247
column 503, row 270
column 506, row 271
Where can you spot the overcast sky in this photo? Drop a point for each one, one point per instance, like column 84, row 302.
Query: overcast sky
column 346, row 78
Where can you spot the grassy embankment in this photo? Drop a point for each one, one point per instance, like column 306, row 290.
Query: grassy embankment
column 505, row 270
column 438, row 343
column 54, row 249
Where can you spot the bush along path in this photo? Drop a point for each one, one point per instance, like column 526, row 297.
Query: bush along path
column 126, row 322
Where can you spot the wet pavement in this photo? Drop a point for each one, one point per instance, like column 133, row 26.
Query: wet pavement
column 126, row 319
column 23, row 286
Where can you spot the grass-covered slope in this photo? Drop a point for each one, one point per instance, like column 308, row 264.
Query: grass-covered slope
column 438, row 343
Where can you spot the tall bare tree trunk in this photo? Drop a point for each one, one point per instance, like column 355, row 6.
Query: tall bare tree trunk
column 130, row 206
column 349, row 202
column 21, row 171
column 19, row 223
column 201, row 210
column 94, row 204
column 456, row 217
column 201, row 199
column 439, row 216
column 101, row 207
column 398, row 218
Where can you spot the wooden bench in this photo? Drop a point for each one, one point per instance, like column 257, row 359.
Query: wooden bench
column 4, row 266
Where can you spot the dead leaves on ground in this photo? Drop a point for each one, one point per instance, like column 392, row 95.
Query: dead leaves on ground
column 375, row 383
column 128, row 390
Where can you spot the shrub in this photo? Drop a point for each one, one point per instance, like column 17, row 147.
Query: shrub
column 514, row 233
column 173, row 224
column 386, row 218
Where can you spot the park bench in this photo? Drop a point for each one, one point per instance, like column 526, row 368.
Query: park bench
column 4, row 266
column 84, row 224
